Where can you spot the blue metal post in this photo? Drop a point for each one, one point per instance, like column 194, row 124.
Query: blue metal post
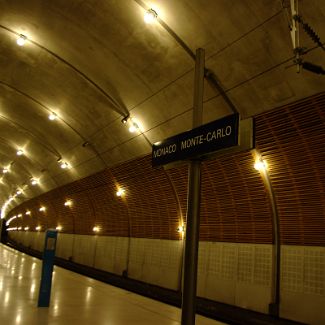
column 47, row 268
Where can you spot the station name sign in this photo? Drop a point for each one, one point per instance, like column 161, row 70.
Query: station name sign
column 205, row 139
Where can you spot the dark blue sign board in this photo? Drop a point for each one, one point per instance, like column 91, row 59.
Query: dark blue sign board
column 47, row 268
column 205, row 139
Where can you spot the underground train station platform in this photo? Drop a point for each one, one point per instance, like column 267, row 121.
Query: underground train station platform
column 75, row 299
column 79, row 299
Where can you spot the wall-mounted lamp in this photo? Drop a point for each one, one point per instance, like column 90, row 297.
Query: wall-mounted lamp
column 20, row 228
column 58, row 228
column 120, row 192
column 26, row 228
column 68, row 203
column 42, row 209
column 260, row 164
column 150, row 16
column 38, row 228
column 27, row 213
column 96, row 229
column 21, row 40
column 180, row 229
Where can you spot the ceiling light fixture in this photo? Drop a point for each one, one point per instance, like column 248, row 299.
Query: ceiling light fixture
column 20, row 152
column 34, row 181
column 125, row 119
column 64, row 165
column 53, row 116
column 21, row 40
column 134, row 127
column 150, row 16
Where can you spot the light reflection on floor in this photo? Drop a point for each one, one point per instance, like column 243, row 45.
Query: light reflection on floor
column 75, row 299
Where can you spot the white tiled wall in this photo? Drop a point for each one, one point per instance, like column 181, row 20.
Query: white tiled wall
column 84, row 249
column 303, row 284
column 156, row 261
column 238, row 274
column 111, row 254
column 64, row 246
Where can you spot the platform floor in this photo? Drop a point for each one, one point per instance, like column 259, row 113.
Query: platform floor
column 75, row 299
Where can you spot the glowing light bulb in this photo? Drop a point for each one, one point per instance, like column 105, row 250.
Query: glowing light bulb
column 68, row 203
column 64, row 165
column 42, row 209
column 20, row 152
column 58, row 228
column 21, row 40
column 96, row 229
column 260, row 165
column 27, row 213
column 180, row 229
column 120, row 192
column 53, row 116
column 34, row 181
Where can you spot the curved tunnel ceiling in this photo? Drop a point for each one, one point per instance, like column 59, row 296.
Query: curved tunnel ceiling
column 93, row 63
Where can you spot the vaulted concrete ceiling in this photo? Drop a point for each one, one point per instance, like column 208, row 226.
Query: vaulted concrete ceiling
column 95, row 62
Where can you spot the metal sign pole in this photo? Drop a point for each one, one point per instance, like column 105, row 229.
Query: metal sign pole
column 193, row 206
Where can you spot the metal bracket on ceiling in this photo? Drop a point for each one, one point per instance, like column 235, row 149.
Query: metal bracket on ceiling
column 294, row 31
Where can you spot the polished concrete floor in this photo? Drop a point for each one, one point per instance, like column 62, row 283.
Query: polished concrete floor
column 75, row 299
